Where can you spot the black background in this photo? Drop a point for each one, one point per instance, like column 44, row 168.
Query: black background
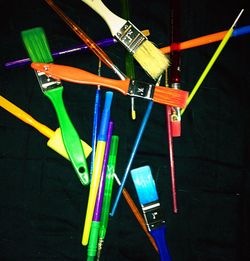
column 42, row 202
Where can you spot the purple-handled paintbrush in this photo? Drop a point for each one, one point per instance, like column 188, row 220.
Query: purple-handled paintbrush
column 78, row 48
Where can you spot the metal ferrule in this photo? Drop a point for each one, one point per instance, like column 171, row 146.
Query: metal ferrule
column 130, row 36
column 141, row 89
column 47, row 83
column 153, row 215
column 176, row 111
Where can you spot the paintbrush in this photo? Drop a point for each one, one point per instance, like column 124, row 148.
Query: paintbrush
column 151, row 59
column 159, row 94
column 212, row 61
column 55, row 141
column 133, row 153
column 87, row 40
column 173, row 116
column 198, row 41
column 206, row 39
column 174, row 68
column 98, row 163
column 96, row 120
column 148, row 197
column 36, row 44
column 136, row 213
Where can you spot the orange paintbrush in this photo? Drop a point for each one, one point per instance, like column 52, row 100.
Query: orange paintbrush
column 134, row 88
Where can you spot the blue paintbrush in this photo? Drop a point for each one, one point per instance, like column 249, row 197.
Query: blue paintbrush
column 148, row 197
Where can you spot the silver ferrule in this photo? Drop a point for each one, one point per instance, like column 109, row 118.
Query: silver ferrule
column 153, row 215
column 120, row 74
column 141, row 89
column 131, row 37
column 176, row 111
column 46, row 83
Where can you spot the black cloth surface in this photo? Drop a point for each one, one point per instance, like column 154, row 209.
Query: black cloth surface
column 43, row 204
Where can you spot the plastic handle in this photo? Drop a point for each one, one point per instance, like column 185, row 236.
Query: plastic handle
column 93, row 239
column 103, row 132
column 159, row 237
column 25, row 117
column 76, row 75
column 113, row 21
column 70, row 137
column 241, row 30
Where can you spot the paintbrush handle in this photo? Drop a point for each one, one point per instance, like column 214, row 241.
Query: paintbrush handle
column 206, row 39
column 72, row 74
column 139, row 217
column 159, row 237
column 55, row 138
column 25, row 117
column 159, row 94
column 114, row 22
column 70, row 136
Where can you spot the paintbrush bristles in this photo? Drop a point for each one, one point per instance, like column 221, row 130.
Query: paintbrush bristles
column 151, row 59
column 170, row 96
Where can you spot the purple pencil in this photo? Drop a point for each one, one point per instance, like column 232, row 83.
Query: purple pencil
column 95, row 225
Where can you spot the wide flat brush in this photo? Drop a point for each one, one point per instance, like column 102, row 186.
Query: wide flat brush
column 55, row 141
column 148, row 197
column 151, row 59
column 38, row 49
column 159, row 94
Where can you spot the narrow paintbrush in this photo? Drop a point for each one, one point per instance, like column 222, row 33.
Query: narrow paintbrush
column 206, row 39
column 173, row 116
column 159, row 94
column 37, row 46
column 55, row 141
column 87, row 40
column 133, row 153
column 96, row 120
column 136, row 213
column 212, row 61
column 151, row 59
column 131, row 158
column 148, row 198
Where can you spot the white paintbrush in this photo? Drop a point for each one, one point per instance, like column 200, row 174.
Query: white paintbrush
column 151, row 59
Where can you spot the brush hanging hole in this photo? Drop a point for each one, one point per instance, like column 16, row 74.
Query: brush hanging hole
column 81, row 169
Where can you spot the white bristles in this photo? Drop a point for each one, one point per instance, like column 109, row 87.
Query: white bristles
column 151, row 59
